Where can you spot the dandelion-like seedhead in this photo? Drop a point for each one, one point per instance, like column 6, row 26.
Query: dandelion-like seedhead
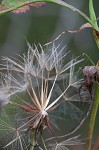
column 38, row 84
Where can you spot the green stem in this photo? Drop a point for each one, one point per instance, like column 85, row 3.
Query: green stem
column 92, row 120
column 93, row 15
column 32, row 140
column 43, row 143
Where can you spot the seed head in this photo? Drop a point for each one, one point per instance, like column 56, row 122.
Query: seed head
column 34, row 79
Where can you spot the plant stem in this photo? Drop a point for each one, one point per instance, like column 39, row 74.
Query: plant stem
column 32, row 140
column 88, row 57
column 92, row 119
column 43, row 143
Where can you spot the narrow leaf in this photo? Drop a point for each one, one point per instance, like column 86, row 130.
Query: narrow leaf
column 93, row 15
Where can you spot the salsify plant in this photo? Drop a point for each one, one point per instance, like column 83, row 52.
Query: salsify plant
column 21, row 6
column 36, row 89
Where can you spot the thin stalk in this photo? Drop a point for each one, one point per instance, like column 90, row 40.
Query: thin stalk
column 43, row 143
column 92, row 120
column 88, row 57
column 42, row 90
column 20, row 140
column 96, row 101
column 32, row 140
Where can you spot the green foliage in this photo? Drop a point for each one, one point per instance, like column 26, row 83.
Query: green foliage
column 94, row 22
column 92, row 15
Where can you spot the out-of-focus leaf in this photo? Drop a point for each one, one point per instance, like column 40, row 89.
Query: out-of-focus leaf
column 10, row 5
column 27, row 7
column 6, row 5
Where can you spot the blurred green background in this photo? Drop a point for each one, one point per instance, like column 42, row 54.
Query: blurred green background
column 42, row 25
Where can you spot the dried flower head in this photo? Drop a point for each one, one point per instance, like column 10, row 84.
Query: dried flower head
column 40, row 82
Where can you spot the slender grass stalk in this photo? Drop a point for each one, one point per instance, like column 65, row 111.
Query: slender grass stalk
column 92, row 119
column 32, row 142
